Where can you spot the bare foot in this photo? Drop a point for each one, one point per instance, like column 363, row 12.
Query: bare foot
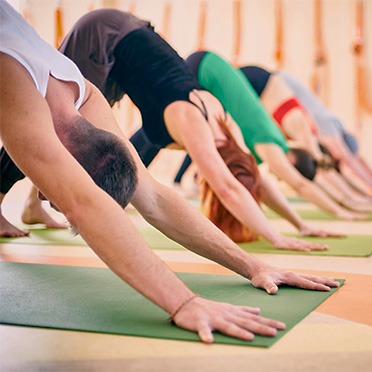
column 35, row 213
column 10, row 231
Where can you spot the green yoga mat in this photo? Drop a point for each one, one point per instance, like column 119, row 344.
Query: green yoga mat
column 308, row 214
column 96, row 300
column 352, row 246
column 43, row 236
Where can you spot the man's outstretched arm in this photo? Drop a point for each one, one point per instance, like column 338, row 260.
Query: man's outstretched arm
column 177, row 219
column 28, row 134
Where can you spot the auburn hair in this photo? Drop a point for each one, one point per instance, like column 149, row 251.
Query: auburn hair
column 244, row 168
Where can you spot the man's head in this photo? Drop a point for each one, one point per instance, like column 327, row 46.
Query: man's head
column 104, row 157
column 244, row 168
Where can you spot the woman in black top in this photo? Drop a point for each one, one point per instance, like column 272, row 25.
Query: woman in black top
column 176, row 112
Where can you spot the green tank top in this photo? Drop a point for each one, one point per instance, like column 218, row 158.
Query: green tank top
column 240, row 100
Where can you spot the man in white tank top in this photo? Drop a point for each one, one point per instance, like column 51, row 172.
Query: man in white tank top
column 41, row 133
column 20, row 41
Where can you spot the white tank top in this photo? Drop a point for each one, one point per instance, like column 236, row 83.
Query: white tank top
column 19, row 40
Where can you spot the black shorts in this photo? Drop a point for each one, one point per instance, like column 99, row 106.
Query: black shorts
column 257, row 76
column 9, row 172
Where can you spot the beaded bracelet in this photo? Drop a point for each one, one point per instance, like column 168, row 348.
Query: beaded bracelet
column 171, row 318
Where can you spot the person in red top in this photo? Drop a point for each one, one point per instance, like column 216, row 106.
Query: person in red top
column 301, row 130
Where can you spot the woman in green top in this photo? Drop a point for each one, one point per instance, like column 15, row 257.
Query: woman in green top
column 261, row 135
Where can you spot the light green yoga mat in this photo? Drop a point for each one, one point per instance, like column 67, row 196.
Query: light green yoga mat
column 353, row 245
column 308, row 214
column 43, row 236
column 96, row 300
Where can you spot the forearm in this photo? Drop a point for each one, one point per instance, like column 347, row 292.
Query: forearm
column 338, row 181
column 241, row 204
column 124, row 251
column 110, row 233
column 325, row 183
column 282, row 168
column 275, row 200
column 313, row 193
column 357, row 182
column 347, row 159
column 184, row 224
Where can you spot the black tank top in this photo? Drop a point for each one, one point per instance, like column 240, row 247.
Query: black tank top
column 151, row 72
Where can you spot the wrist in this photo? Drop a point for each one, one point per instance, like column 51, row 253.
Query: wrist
column 301, row 227
column 181, row 306
column 275, row 239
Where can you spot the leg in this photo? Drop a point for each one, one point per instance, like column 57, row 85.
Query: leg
column 335, row 186
column 34, row 212
column 184, row 166
column 350, row 163
column 187, row 192
column 352, row 145
column 6, row 228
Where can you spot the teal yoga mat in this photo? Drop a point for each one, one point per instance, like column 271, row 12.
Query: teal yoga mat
column 352, row 246
column 96, row 300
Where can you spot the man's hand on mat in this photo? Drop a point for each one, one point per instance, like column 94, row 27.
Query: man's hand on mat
column 312, row 231
column 242, row 322
column 269, row 278
column 285, row 242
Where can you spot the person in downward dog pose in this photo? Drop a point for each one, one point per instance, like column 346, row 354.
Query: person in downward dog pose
column 125, row 55
column 83, row 164
column 340, row 143
column 261, row 135
column 299, row 129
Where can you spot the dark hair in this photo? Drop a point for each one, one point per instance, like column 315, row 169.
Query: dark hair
column 104, row 156
column 303, row 162
column 244, row 168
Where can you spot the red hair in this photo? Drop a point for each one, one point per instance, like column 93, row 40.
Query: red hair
column 244, row 168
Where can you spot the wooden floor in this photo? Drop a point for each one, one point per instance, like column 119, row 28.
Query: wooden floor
column 337, row 336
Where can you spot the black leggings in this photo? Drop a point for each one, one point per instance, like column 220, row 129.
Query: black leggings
column 184, row 166
column 9, row 172
column 145, row 148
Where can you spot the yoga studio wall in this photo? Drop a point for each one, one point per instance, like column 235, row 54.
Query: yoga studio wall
column 327, row 44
